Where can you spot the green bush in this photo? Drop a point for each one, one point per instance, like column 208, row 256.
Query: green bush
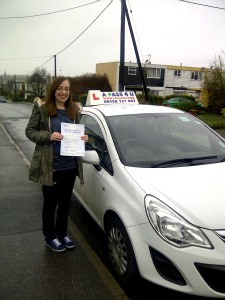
column 223, row 112
column 188, row 106
column 156, row 99
column 190, row 97
column 82, row 99
column 153, row 99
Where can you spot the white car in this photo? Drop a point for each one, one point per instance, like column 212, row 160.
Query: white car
column 154, row 183
column 2, row 99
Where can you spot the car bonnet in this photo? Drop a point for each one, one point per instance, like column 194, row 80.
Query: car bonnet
column 197, row 193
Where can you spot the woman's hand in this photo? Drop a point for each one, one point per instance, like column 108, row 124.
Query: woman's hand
column 56, row 136
column 85, row 138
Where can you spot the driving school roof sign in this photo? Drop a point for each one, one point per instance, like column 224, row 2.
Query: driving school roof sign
column 96, row 97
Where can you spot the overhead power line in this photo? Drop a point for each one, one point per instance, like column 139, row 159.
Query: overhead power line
column 85, row 28
column 48, row 13
column 23, row 58
column 76, row 37
column 41, row 65
column 190, row 2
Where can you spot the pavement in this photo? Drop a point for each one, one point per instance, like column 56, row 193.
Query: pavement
column 30, row 270
column 221, row 132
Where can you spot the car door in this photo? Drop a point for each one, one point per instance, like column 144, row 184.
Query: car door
column 92, row 193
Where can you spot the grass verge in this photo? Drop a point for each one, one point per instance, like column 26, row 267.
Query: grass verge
column 213, row 120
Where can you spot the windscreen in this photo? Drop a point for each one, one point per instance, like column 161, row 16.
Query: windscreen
column 152, row 140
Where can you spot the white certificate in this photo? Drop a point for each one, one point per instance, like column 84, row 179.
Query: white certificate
column 72, row 144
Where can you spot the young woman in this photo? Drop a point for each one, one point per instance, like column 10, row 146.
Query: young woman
column 56, row 173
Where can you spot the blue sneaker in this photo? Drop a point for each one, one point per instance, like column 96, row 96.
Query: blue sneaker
column 66, row 241
column 55, row 245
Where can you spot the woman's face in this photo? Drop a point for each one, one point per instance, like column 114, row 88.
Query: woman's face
column 62, row 92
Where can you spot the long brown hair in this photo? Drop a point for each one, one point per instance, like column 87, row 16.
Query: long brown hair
column 50, row 104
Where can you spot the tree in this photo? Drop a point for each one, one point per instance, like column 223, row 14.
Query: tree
column 82, row 84
column 214, row 85
column 38, row 82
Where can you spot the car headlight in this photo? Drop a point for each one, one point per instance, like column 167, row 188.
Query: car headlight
column 172, row 227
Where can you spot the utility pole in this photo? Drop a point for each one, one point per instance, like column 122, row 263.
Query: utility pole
column 55, row 64
column 15, row 87
column 124, row 12
column 122, row 48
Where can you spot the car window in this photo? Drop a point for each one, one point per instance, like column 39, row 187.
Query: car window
column 97, row 142
column 146, row 139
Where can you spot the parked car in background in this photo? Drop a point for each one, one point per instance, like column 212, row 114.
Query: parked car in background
column 153, row 183
column 179, row 101
column 2, row 99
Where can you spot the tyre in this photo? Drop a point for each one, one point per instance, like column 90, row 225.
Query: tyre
column 120, row 252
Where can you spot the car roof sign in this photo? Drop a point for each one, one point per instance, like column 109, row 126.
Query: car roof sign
column 96, row 97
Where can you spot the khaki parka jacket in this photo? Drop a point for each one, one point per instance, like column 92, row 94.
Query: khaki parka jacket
column 38, row 131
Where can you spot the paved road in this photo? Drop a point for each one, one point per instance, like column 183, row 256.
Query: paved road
column 30, row 270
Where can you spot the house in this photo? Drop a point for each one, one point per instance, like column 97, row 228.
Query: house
column 161, row 80
column 13, row 82
column 181, row 80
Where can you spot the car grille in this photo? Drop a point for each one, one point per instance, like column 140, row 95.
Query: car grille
column 213, row 275
column 166, row 268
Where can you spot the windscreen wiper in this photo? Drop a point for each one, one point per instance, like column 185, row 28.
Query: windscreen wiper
column 179, row 161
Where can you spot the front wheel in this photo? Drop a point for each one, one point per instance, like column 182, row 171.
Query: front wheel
column 120, row 251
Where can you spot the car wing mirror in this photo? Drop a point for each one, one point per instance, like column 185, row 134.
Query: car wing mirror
column 91, row 157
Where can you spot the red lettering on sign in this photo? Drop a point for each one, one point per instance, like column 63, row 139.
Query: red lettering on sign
column 94, row 97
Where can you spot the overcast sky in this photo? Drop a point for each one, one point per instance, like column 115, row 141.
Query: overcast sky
column 87, row 32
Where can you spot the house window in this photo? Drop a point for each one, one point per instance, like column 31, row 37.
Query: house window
column 153, row 73
column 132, row 70
column 177, row 73
column 195, row 76
column 154, row 93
